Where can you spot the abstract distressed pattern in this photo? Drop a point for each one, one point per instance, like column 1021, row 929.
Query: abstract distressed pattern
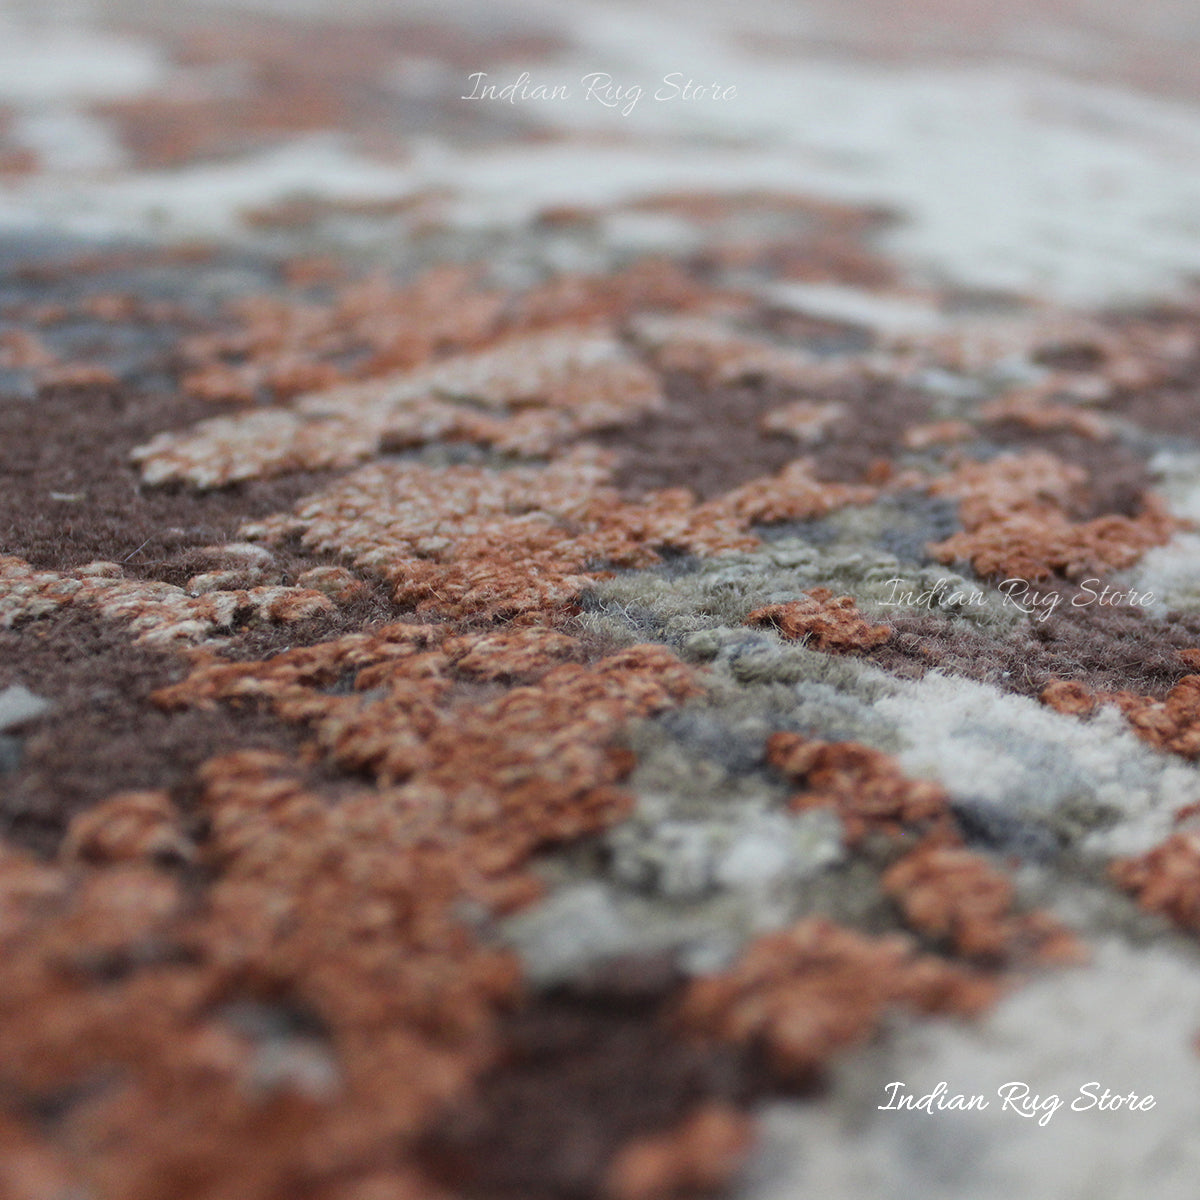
column 555, row 649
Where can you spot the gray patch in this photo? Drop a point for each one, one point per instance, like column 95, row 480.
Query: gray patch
column 16, row 384
column 572, row 930
column 741, row 851
column 290, row 1051
column 18, row 705
column 900, row 526
column 918, row 520
column 996, row 827
column 818, row 531
column 10, row 753
column 672, row 602
column 735, row 745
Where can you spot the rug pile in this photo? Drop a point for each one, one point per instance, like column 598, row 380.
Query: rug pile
column 598, row 606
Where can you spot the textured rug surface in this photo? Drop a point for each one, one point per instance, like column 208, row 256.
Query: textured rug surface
column 599, row 603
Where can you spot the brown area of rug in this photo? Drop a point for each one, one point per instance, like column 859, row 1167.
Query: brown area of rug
column 53, row 449
column 586, row 1069
column 1172, row 409
column 102, row 734
column 710, row 439
column 1105, row 649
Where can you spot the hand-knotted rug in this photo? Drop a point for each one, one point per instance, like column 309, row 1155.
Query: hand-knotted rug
column 599, row 604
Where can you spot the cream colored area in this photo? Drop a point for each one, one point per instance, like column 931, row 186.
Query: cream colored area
column 1127, row 1022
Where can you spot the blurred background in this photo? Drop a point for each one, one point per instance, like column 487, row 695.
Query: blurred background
column 1045, row 147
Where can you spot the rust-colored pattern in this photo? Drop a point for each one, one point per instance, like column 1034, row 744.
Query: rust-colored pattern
column 130, row 827
column 525, row 396
column 863, row 786
column 1172, row 723
column 1013, row 511
column 701, row 1155
column 823, row 621
column 1165, row 880
column 471, row 541
column 956, row 898
column 806, row 993
column 346, row 913
column 532, row 633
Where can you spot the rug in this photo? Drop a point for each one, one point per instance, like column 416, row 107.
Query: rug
column 599, row 602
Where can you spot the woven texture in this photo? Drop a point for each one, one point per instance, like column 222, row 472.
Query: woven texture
column 594, row 603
